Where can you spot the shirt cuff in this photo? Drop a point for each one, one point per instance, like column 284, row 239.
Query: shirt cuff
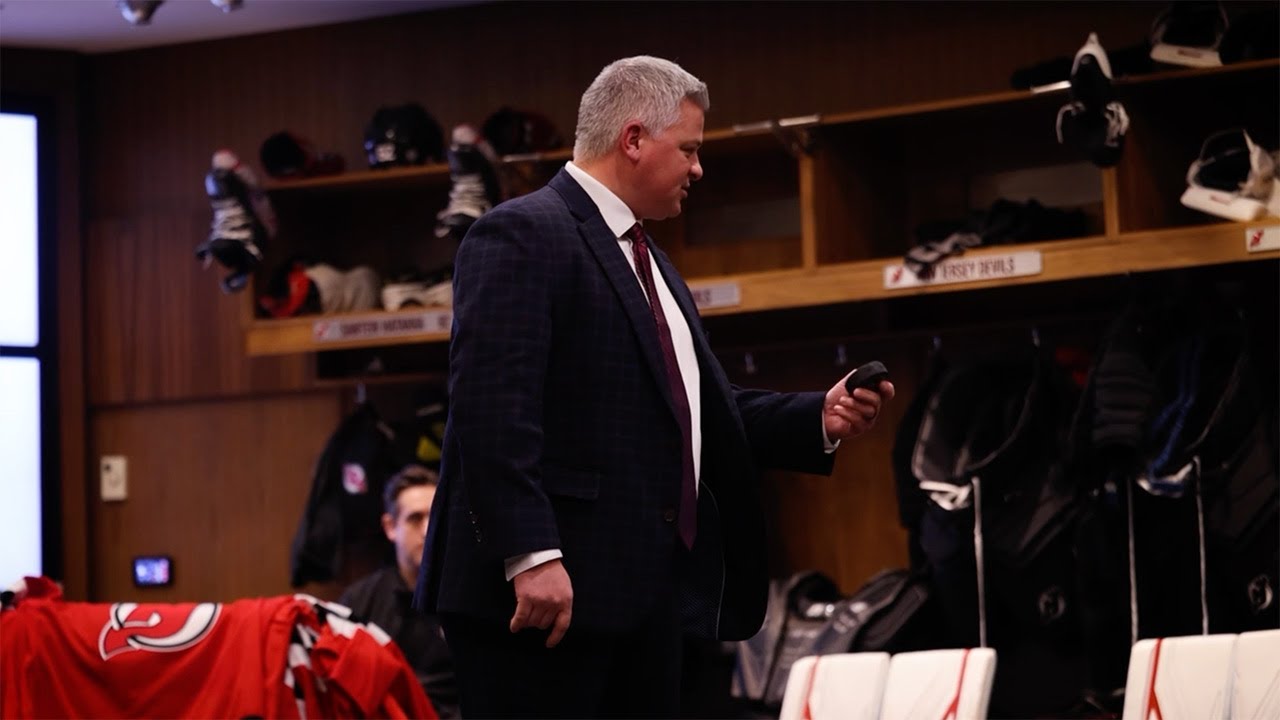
column 828, row 447
column 520, row 563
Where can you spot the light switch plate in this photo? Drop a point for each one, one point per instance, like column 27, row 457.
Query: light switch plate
column 114, row 470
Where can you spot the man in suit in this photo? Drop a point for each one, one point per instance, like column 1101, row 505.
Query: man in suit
column 598, row 491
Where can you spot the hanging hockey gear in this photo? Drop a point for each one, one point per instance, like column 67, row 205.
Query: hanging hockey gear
column 475, row 184
column 1094, row 121
column 243, row 220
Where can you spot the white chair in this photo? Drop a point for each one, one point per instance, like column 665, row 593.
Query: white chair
column 939, row 685
column 844, row 686
column 1256, row 688
column 1180, row 678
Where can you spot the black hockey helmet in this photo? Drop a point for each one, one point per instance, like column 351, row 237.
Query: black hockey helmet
column 403, row 135
column 514, row 132
column 289, row 155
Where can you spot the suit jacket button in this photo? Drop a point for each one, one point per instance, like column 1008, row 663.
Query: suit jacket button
column 669, row 515
column 479, row 536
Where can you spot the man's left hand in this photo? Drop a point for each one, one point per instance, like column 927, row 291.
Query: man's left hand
column 847, row 416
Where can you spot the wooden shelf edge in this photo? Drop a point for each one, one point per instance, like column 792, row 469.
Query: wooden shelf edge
column 407, row 174
column 377, row 380
column 347, row 331
column 356, row 178
column 1009, row 96
column 1062, row 260
column 561, row 155
column 964, row 102
column 830, row 284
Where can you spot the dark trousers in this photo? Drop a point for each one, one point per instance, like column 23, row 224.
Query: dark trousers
column 635, row 673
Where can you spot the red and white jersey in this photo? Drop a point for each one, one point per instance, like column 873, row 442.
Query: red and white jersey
column 363, row 667
column 281, row 657
column 128, row 660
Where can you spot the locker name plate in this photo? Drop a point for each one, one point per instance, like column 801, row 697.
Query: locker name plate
column 717, row 295
column 968, row 269
column 381, row 326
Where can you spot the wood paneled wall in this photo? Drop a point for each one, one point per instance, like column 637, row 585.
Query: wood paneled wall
column 220, row 486
column 158, row 327
column 221, row 443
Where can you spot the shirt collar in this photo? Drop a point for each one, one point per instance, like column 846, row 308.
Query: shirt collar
column 616, row 214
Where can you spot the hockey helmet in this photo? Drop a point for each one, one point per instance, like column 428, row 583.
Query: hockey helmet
column 515, row 132
column 403, row 135
column 288, row 155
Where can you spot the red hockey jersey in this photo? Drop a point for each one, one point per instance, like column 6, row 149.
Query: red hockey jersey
column 280, row 657
column 130, row 660
column 368, row 671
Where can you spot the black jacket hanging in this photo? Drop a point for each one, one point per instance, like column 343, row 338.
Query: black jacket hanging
column 342, row 516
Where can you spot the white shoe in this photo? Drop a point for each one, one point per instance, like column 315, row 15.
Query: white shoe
column 409, row 294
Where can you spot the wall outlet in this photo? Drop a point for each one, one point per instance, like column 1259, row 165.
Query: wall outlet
column 114, row 470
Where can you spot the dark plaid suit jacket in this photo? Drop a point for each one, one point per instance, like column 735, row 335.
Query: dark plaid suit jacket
column 562, row 433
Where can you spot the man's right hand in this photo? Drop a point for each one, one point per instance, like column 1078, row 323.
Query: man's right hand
column 544, row 599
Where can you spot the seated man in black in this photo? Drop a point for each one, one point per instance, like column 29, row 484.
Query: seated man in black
column 384, row 597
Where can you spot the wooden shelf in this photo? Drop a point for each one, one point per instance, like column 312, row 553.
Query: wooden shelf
column 781, row 289
column 561, row 155
column 1011, row 96
column 404, row 177
column 313, row 333
column 813, row 283
column 759, row 132
column 1061, row 260
column 423, row 378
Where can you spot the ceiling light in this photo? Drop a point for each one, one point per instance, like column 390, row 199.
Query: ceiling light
column 138, row 12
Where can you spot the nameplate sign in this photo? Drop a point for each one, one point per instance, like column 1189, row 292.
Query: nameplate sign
column 967, row 269
column 726, row 294
column 381, row 326
column 1262, row 239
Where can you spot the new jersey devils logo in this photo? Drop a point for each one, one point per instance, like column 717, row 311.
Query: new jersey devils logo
column 155, row 628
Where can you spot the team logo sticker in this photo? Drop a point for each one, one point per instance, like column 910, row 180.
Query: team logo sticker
column 354, row 480
column 155, row 628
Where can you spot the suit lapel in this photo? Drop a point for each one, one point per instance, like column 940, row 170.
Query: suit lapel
column 604, row 245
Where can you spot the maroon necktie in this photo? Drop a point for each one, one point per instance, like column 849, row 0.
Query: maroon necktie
column 688, row 492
